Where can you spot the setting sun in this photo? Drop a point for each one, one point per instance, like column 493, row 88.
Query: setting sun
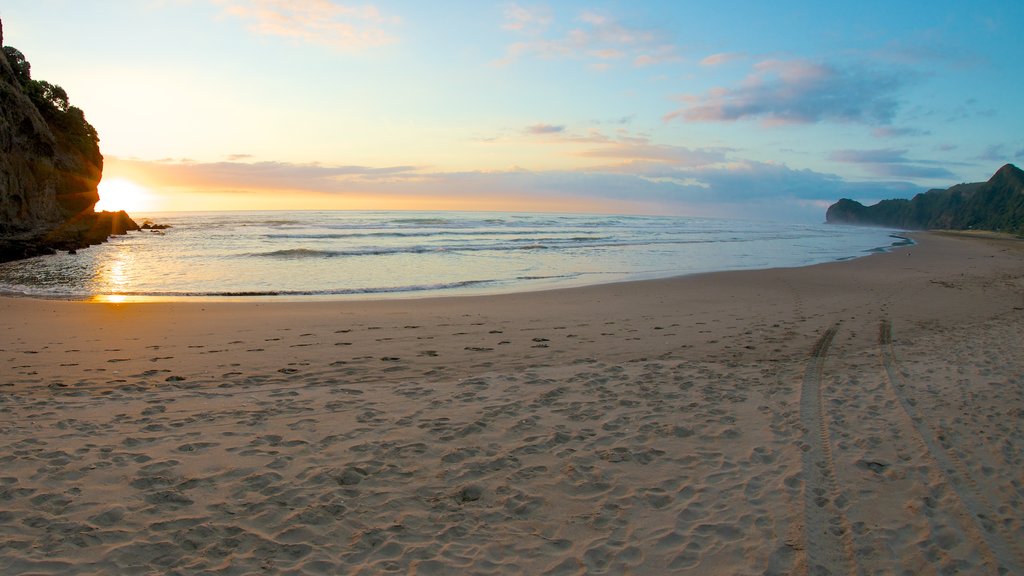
column 120, row 194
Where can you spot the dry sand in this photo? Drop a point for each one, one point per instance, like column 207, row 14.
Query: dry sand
column 853, row 417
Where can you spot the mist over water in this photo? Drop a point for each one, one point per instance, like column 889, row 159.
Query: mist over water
column 301, row 255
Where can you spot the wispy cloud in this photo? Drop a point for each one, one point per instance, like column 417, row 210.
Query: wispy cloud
column 894, row 132
column 538, row 129
column 651, row 177
column 635, row 153
column 893, row 163
column 930, row 48
column 722, row 58
column 995, row 153
column 801, row 92
column 320, row 22
column 527, row 20
column 235, row 176
column 595, row 37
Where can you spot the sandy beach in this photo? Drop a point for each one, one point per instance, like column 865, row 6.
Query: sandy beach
column 864, row 417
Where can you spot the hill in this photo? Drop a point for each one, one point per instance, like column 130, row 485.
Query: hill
column 50, row 165
column 997, row 205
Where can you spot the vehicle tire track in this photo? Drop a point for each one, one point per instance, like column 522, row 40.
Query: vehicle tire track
column 987, row 533
column 827, row 534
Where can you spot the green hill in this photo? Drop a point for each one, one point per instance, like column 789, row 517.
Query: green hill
column 996, row 205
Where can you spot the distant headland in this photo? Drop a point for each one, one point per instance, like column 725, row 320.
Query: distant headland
column 50, row 166
column 996, row 205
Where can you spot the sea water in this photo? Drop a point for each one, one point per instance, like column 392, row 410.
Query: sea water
column 311, row 255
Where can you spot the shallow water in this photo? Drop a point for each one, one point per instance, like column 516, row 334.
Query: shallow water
column 308, row 255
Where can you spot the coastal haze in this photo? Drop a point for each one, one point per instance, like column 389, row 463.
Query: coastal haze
column 510, row 288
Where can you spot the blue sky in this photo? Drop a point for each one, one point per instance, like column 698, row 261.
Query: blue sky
column 739, row 109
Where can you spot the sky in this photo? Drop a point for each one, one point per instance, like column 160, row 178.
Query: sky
column 741, row 109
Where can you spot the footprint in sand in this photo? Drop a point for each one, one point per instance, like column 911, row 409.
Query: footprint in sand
column 196, row 446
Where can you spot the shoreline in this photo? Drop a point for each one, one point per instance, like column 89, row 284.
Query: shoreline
column 905, row 237
column 860, row 415
column 384, row 256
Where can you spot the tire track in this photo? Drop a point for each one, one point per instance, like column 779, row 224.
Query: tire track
column 986, row 531
column 827, row 534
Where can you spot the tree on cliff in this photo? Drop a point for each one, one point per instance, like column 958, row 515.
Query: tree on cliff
column 52, row 102
column 22, row 69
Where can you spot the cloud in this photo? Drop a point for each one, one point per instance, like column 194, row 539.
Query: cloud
column 320, row 22
column 893, row 132
column 893, row 163
column 930, row 49
column 994, row 153
column 880, row 156
column 636, row 152
column 538, row 129
column 675, row 180
column 749, row 180
column 969, row 110
column 596, row 38
column 228, row 176
column 801, row 92
column 527, row 20
column 722, row 58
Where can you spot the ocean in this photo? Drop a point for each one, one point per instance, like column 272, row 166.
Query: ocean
column 336, row 255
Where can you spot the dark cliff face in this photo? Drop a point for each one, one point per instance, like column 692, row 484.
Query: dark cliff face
column 50, row 166
column 997, row 204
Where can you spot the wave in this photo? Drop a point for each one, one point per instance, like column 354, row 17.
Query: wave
column 325, row 292
column 365, row 291
column 524, row 245
column 297, row 253
column 421, row 221
column 450, row 233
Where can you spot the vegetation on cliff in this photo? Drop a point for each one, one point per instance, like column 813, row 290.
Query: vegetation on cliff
column 50, row 165
column 997, row 205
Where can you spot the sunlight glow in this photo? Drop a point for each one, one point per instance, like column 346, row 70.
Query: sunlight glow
column 120, row 194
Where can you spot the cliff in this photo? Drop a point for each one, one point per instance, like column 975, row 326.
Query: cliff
column 50, row 165
column 997, row 204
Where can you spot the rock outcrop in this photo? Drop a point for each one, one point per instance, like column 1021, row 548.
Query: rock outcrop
column 50, row 165
column 997, row 205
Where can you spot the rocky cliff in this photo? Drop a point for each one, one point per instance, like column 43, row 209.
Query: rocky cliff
column 50, row 165
column 997, row 204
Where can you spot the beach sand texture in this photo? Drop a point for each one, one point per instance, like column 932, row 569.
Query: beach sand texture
column 853, row 417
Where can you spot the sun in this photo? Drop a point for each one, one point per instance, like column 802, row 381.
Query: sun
column 120, row 194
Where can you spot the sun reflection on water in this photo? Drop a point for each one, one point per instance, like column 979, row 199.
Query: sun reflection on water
column 110, row 298
column 113, row 279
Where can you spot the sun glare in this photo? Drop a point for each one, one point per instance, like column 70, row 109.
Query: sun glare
column 120, row 194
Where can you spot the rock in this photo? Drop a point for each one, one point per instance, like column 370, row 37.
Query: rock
column 50, row 165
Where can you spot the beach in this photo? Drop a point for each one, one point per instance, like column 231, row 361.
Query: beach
column 864, row 416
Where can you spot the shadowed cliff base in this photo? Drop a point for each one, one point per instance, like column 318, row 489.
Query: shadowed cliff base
column 85, row 230
column 50, row 165
column 996, row 205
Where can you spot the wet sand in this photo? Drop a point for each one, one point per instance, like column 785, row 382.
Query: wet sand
column 854, row 417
